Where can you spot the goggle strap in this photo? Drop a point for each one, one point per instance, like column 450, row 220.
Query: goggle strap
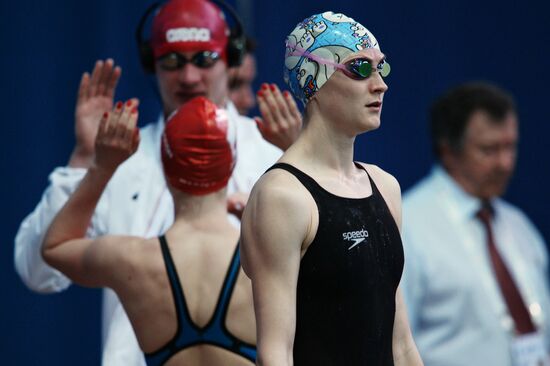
column 298, row 51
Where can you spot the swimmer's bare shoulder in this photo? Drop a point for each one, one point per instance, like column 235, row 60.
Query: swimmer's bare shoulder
column 389, row 188
column 279, row 207
column 114, row 258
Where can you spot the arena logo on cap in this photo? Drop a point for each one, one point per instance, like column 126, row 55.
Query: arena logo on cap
column 188, row 35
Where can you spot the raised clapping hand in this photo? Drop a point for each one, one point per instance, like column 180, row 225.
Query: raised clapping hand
column 117, row 137
column 281, row 120
column 95, row 96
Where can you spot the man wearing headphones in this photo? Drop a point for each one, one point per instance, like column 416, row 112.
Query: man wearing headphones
column 190, row 51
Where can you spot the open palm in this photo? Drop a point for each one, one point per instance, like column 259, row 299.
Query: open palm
column 117, row 136
column 95, row 97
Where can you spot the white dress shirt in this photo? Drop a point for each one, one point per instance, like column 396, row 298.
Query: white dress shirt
column 456, row 310
column 135, row 202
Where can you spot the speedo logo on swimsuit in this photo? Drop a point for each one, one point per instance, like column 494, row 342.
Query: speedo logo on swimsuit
column 188, row 35
column 356, row 236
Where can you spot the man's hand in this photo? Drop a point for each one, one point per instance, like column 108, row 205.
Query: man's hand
column 117, row 137
column 236, row 203
column 281, row 120
column 95, row 97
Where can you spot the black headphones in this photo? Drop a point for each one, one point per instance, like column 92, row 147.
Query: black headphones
column 236, row 41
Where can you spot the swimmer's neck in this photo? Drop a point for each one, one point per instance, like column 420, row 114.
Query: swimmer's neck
column 207, row 208
column 320, row 146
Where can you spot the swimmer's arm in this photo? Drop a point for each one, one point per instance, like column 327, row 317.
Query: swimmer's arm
column 65, row 246
column 405, row 352
column 273, row 229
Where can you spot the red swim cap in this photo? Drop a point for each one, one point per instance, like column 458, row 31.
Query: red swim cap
column 196, row 155
column 189, row 26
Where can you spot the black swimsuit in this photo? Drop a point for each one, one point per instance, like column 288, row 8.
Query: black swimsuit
column 347, row 281
column 188, row 333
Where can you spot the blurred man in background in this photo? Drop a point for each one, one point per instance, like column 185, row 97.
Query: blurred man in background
column 241, row 78
column 475, row 279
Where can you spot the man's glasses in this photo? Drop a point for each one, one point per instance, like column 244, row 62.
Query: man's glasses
column 174, row 61
column 358, row 68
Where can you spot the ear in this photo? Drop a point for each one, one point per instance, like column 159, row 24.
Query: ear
column 447, row 155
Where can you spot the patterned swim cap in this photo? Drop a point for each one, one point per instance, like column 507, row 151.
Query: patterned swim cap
column 329, row 36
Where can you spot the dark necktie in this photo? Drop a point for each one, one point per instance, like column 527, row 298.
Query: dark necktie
column 516, row 306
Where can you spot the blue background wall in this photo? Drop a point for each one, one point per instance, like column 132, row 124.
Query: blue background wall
column 430, row 44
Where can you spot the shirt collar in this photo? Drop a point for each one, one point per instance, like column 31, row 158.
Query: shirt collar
column 231, row 110
column 465, row 205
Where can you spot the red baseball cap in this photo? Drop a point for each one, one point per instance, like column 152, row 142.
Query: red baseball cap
column 189, row 26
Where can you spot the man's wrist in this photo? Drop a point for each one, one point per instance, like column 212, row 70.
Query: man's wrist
column 101, row 172
column 81, row 158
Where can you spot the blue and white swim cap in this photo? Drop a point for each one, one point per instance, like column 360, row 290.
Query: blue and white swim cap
column 328, row 36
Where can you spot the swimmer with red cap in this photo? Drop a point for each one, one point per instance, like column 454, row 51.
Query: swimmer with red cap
column 188, row 56
column 184, row 291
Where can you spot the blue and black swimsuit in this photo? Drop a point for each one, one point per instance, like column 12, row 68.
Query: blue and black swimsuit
column 215, row 332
